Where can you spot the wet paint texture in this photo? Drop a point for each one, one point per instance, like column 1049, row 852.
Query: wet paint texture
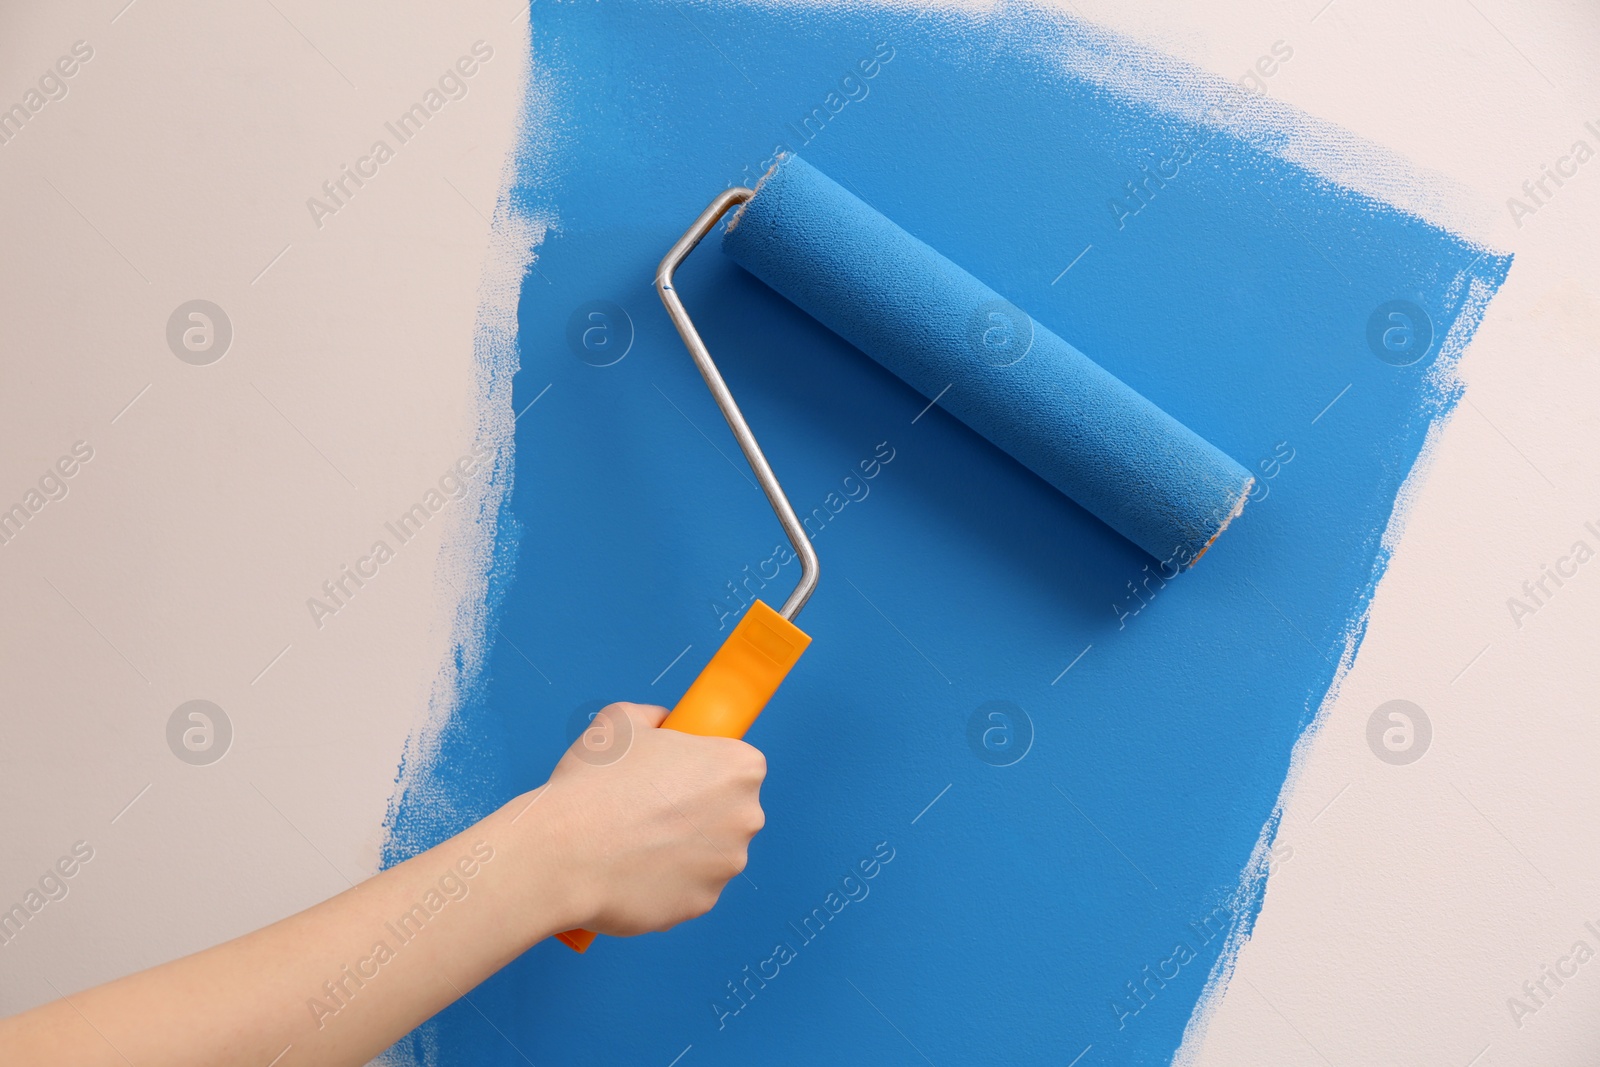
column 1083, row 894
column 957, row 341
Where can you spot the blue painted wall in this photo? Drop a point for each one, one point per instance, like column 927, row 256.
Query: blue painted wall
column 1081, row 895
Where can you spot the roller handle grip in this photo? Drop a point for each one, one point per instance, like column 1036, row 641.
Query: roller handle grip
column 731, row 691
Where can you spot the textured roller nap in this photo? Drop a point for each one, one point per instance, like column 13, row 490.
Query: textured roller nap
column 1071, row 422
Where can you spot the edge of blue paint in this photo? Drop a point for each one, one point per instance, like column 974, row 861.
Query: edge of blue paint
column 478, row 561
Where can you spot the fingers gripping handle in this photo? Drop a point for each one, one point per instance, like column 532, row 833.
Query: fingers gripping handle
column 731, row 691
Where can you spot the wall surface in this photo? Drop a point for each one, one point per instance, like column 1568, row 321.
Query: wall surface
column 1418, row 879
column 222, row 495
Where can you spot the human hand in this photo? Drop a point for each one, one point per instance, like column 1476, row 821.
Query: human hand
column 648, row 838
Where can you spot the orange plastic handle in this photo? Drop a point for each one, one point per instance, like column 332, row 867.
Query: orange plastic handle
column 731, row 691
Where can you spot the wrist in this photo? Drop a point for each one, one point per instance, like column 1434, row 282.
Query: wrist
column 544, row 889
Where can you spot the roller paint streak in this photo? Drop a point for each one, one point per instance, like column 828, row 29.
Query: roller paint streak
column 1026, row 900
column 1013, row 380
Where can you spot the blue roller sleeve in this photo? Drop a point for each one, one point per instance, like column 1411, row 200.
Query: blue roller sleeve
column 1138, row 469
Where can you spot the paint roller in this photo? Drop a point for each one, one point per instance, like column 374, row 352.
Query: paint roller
column 948, row 335
column 959, row 343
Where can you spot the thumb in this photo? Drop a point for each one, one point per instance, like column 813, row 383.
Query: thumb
column 648, row 716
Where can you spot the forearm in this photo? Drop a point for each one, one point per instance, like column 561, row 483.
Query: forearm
column 335, row 984
column 635, row 842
